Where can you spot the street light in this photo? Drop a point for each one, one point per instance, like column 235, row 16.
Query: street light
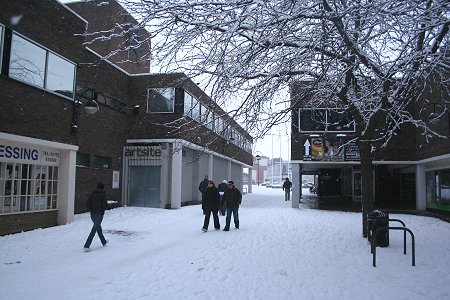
column 436, row 116
column 91, row 107
column 258, row 158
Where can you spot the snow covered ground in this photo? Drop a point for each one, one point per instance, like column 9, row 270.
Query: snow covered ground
column 278, row 253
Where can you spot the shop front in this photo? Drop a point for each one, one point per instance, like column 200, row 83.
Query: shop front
column 37, row 183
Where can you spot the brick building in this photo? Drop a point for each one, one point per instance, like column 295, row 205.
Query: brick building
column 411, row 173
column 152, row 140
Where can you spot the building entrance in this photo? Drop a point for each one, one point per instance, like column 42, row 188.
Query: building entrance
column 145, row 183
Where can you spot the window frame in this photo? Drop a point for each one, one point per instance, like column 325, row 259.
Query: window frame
column 158, row 91
column 326, row 126
column 46, row 66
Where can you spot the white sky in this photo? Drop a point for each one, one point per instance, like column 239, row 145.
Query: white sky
column 278, row 253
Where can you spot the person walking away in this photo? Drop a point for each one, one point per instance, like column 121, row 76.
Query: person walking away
column 222, row 187
column 212, row 205
column 287, row 185
column 97, row 205
column 232, row 197
column 202, row 188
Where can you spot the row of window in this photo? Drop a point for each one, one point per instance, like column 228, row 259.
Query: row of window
column 38, row 66
column 323, row 119
column 27, row 187
column 100, row 162
column 162, row 100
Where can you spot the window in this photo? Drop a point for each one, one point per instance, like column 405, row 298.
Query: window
column 322, row 119
column 83, row 159
column 102, row 163
column 88, row 93
column 161, row 100
column 60, row 75
column 188, row 104
column 37, row 66
column 27, row 187
column 195, row 110
column 1, row 45
column 27, row 61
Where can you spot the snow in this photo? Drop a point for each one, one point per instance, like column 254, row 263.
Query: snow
column 278, row 253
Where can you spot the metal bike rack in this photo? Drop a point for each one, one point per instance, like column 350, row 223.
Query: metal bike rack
column 374, row 248
column 404, row 233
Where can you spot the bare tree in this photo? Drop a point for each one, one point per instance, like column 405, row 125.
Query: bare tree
column 371, row 57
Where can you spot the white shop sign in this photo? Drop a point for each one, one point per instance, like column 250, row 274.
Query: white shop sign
column 31, row 154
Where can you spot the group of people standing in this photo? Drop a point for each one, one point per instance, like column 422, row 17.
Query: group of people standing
column 225, row 198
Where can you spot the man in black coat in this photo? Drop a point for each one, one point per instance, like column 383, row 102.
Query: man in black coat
column 97, row 205
column 287, row 185
column 232, row 197
column 202, row 188
column 212, row 204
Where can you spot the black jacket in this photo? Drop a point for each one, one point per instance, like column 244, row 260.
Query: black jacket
column 232, row 198
column 222, row 187
column 212, row 198
column 203, row 185
column 97, row 203
column 287, row 185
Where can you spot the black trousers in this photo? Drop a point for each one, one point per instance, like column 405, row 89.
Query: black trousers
column 215, row 215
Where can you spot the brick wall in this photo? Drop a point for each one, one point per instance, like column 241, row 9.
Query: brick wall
column 15, row 223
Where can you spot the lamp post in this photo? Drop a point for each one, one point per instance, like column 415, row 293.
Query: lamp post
column 91, row 107
column 436, row 116
column 258, row 158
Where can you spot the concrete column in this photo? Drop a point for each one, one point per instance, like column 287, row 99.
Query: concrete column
column 66, row 186
column 296, row 185
column 250, row 180
column 229, row 170
column 421, row 193
column 210, row 166
column 177, row 163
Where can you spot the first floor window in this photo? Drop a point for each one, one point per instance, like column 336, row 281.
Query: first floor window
column 161, row 100
column 102, row 163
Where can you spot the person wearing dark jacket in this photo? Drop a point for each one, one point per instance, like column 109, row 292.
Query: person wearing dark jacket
column 97, row 205
column 287, row 185
column 212, row 204
column 222, row 187
column 202, row 188
column 232, row 197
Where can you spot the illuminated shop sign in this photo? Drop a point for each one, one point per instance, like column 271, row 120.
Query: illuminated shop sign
column 10, row 152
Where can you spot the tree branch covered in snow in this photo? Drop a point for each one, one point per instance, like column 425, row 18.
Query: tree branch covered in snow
column 370, row 56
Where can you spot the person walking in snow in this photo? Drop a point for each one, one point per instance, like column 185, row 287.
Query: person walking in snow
column 212, row 205
column 202, row 188
column 97, row 205
column 287, row 189
column 222, row 187
column 232, row 198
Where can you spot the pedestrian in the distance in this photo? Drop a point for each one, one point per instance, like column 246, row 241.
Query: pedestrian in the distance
column 212, row 205
column 202, row 188
column 222, row 187
column 97, row 205
column 287, row 185
column 232, row 197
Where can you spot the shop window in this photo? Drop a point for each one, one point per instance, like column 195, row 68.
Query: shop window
column 102, row 162
column 83, row 160
column 26, row 187
column 161, row 100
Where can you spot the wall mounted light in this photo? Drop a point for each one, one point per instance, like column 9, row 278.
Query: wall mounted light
column 91, row 107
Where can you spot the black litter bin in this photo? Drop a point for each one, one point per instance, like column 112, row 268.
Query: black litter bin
column 375, row 220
